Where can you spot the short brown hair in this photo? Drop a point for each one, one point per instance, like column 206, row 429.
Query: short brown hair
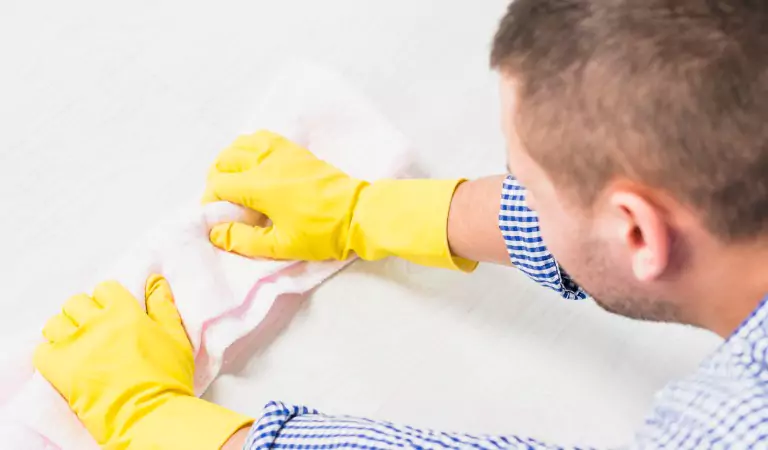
column 673, row 93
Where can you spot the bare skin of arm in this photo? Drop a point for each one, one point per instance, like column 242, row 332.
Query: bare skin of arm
column 473, row 230
column 237, row 440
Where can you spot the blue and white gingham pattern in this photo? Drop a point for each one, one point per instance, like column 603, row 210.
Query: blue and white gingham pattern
column 520, row 227
column 296, row 427
column 724, row 405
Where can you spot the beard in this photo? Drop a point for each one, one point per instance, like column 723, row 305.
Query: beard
column 645, row 309
column 616, row 290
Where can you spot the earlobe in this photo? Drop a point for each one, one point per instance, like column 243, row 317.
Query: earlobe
column 646, row 266
column 646, row 236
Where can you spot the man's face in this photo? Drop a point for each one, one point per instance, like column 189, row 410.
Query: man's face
column 592, row 245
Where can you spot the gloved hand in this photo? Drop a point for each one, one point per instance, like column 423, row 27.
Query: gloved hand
column 127, row 374
column 320, row 213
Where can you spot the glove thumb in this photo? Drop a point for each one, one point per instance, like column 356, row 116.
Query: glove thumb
column 246, row 240
column 162, row 309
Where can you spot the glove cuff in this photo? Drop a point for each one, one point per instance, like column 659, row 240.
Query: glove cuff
column 189, row 423
column 407, row 219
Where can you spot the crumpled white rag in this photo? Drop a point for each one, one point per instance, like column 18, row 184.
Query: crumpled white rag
column 221, row 296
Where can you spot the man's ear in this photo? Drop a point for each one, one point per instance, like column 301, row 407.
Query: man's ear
column 645, row 233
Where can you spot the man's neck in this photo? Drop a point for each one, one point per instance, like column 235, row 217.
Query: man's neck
column 732, row 287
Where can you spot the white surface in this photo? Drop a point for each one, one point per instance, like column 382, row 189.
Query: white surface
column 222, row 297
column 111, row 113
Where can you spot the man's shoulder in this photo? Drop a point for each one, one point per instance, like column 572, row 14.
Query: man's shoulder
column 724, row 402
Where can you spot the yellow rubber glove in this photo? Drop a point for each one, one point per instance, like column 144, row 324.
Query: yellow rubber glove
column 319, row 213
column 128, row 374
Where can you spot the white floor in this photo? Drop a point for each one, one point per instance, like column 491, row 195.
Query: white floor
column 111, row 111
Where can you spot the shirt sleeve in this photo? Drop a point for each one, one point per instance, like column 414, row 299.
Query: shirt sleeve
column 520, row 227
column 297, row 427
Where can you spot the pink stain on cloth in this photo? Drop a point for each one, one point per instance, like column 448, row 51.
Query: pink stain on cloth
column 222, row 297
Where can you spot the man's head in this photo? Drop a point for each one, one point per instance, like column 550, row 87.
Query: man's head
column 640, row 129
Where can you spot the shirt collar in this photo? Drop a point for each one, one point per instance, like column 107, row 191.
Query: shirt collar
column 757, row 319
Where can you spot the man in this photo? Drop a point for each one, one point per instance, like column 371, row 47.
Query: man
column 637, row 128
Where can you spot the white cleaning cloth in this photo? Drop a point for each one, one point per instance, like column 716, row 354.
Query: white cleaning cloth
column 221, row 296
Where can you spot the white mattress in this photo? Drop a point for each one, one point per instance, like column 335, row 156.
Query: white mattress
column 111, row 114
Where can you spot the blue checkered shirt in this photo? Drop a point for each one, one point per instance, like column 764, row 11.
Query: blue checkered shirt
column 723, row 405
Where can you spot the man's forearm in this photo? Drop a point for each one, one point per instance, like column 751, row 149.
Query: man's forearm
column 237, row 441
column 473, row 221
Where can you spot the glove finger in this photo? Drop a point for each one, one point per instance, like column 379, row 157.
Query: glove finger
column 48, row 360
column 235, row 160
column 254, row 242
column 209, row 196
column 245, row 153
column 58, row 328
column 111, row 294
column 162, row 309
column 80, row 309
column 260, row 144
column 243, row 189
